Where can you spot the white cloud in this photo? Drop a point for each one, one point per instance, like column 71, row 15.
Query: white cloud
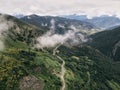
column 61, row 7
column 51, row 39
column 4, row 26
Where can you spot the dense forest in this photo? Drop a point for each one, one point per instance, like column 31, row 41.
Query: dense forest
column 87, row 66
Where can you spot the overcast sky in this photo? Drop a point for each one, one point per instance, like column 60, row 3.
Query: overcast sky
column 61, row 7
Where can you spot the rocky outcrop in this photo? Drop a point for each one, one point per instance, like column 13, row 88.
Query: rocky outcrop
column 31, row 83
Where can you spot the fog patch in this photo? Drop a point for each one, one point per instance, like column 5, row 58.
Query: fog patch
column 61, row 26
column 4, row 26
column 51, row 39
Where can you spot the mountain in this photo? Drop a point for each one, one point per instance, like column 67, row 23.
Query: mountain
column 76, row 17
column 18, row 30
column 108, row 42
column 61, row 25
column 24, row 67
column 103, row 22
column 18, row 15
column 91, row 66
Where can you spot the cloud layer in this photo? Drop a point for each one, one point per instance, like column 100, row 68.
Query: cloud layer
column 61, row 7
column 51, row 39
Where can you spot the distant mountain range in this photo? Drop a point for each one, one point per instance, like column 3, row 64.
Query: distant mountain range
column 61, row 25
column 103, row 22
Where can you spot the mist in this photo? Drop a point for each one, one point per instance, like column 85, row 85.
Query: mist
column 69, row 38
column 4, row 26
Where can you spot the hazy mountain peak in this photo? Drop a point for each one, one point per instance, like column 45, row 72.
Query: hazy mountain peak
column 103, row 21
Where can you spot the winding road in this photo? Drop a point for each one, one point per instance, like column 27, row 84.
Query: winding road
column 61, row 75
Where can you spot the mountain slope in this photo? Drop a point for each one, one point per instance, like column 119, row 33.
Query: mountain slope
column 23, row 67
column 23, row 61
column 61, row 25
column 103, row 22
column 20, row 31
column 108, row 42
column 88, row 69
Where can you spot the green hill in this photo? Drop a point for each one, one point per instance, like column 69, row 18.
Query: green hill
column 108, row 42
column 23, row 67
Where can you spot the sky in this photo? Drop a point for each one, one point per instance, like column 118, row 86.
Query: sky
column 90, row 8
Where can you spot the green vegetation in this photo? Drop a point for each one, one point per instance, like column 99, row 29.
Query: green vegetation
column 86, row 68
column 17, row 63
column 49, row 66
column 108, row 42
column 11, row 70
column 18, row 59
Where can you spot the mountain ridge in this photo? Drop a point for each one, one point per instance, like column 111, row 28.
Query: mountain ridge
column 103, row 21
column 24, row 67
column 60, row 23
column 111, row 39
